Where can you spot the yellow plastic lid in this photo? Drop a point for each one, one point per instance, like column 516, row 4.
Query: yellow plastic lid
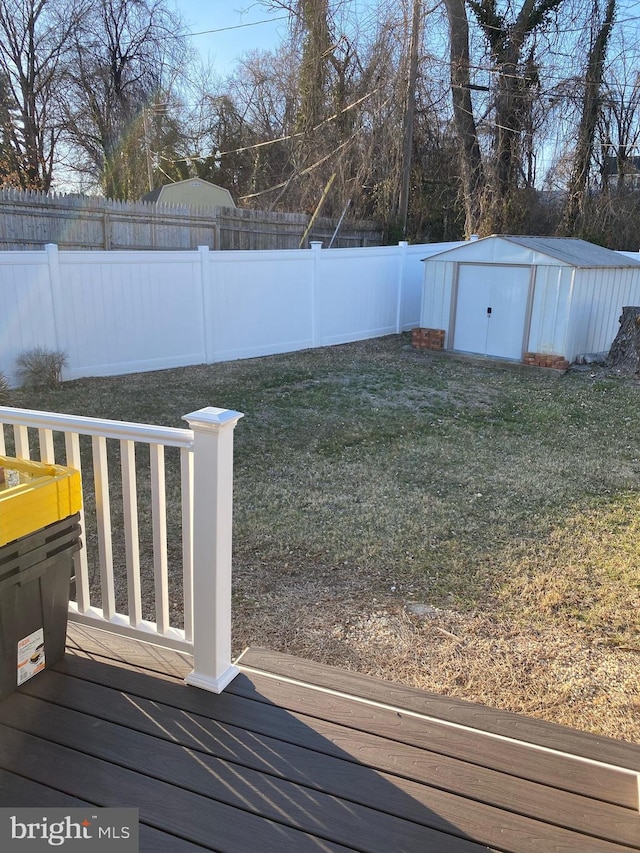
column 35, row 494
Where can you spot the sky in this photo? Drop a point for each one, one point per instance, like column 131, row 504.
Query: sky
column 238, row 30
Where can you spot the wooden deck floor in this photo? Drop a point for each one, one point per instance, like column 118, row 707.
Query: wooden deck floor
column 296, row 756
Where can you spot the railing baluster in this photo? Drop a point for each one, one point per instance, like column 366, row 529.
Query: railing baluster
column 159, row 521
column 72, row 449
column 103, row 518
column 131, row 538
column 186, row 477
column 206, row 502
column 47, row 452
column 21, row 439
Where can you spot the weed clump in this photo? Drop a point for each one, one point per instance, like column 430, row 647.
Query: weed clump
column 41, row 368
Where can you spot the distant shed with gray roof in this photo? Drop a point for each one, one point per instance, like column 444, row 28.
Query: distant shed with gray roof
column 193, row 191
column 520, row 297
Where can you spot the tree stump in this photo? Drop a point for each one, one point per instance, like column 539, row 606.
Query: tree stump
column 624, row 354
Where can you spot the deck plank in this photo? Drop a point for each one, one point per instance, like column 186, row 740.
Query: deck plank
column 505, row 723
column 21, row 792
column 393, row 795
column 309, row 810
column 299, row 756
column 18, row 792
column 559, row 770
column 161, row 805
column 618, row 787
column 103, row 645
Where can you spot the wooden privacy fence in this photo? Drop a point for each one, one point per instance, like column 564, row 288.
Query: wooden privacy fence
column 126, row 312
column 30, row 220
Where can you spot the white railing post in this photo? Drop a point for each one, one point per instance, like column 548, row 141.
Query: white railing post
column 212, row 542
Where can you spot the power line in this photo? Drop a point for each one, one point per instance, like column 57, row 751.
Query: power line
column 305, row 171
column 490, row 69
column 238, row 26
column 284, row 138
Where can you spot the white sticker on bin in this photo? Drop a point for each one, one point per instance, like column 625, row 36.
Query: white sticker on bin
column 30, row 656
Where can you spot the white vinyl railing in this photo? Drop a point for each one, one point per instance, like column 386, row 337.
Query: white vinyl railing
column 204, row 506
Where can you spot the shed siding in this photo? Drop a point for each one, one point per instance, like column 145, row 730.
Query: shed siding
column 598, row 299
column 436, row 303
column 550, row 310
column 575, row 306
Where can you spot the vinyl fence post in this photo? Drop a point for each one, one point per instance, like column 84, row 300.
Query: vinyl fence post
column 53, row 263
column 402, row 247
column 206, row 297
column 212, row 545
column 316, row 249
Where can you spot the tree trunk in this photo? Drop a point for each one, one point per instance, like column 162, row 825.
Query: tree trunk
column 624, row 354
column 578, row 186
column 409, row 114
column 473, row 181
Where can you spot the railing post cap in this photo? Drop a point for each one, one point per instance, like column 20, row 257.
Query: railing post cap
column 212, row 417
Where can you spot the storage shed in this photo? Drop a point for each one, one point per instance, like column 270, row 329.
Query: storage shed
column 542, row 300
column 193, row 191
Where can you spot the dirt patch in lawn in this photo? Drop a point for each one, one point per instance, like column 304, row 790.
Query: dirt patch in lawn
column 548, row 671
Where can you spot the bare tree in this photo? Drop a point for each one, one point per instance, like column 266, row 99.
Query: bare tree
column 617, row 142
column 472, row 170
column 409, row 114
column 591, row 106
column 35, row 41
column 508, row 40
column 11, row 172
column 126, row 56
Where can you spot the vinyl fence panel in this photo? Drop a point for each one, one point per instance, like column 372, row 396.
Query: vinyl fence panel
column 125, row 312
column 116, row 312
column 358, row 293
column 26, row 305
column 259, row 303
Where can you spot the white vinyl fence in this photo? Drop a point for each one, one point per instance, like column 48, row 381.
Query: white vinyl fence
column 129, row 311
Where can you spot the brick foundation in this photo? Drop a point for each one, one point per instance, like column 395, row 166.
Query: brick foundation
column 543, row 359
column 427, row 338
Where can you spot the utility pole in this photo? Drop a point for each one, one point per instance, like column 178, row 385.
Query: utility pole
column 409, row 113
column 145, row 121
column 158, row 109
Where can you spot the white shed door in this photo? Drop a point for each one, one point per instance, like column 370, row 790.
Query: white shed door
column 491, row 310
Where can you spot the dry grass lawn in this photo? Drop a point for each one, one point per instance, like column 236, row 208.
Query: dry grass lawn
column 467, row 528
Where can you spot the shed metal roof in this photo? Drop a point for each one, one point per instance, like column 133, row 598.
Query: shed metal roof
column 567, row 250
column 157, row 194
column 578, row 253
